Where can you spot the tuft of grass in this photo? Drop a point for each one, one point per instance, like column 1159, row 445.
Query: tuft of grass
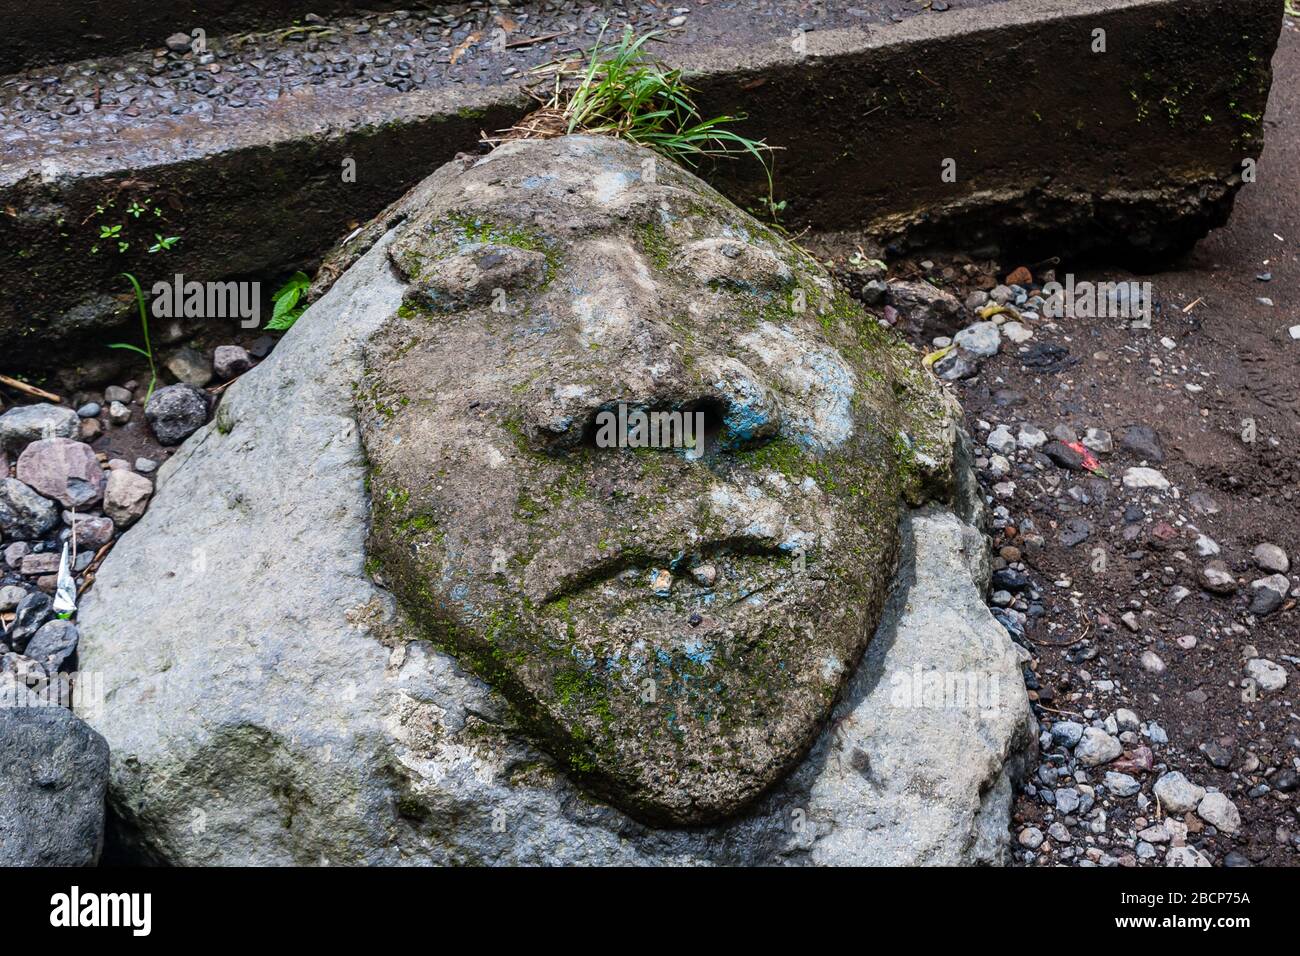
column 625, row 91
column 147, row 351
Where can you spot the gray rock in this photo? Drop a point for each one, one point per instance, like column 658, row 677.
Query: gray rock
column 176, row 412
column 1270, row 557
column 32, row 611
column 53, row 644
column 24, row 424
column 982, row 339
column 1031, row 838
column 1121, row 784
column 1096, row 747
column 117, row 393
column 178, row 42
column 62, row 469
column 10, row 595
column 925, row 310
column 1186, row 856
column 1142, row 442
column 1216, row 578
column 93, row 531
column 229, row 361
column 53, row 775
column 126, row 496
column 1099, row 440
column 1067, row 733
column 119, row 414
column 1001, row 440
column 1218, row 811
column 1268, row 675
column 390, row 750
column 1067, row 800
column 1268, row 594
column 190, row 366
column 1176, row 793
column 89, row 410
column 24, row 513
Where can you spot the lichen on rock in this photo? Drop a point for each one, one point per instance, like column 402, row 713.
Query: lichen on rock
column 673, row 627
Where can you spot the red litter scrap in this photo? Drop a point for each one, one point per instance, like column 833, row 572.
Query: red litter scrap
column 1090, row 461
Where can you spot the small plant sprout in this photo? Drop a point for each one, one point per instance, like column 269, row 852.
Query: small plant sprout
column 147, row 351
column 163, row 243
column 286, row 300
column 625, row 91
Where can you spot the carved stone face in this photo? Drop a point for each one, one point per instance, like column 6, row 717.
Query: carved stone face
column 672, row 628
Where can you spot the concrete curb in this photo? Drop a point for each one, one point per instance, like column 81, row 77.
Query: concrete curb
column 1054, row 147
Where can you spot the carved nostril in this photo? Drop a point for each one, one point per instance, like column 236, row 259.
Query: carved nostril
column 748, row 410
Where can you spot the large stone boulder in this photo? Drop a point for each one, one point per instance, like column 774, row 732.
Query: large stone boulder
column 546, row 650
column 53, row 778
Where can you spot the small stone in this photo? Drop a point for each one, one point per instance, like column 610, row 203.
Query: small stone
column 10, row 595
column 146, row 466
column 1098, row 440
column 176, row 412
column 1067, row 800
column 1152, row 663
column 93, row 531
column 1031, row 838
column 62, row 469
column 126, row 496
column 1058, row 832
column 24, row 513
column 34, row 565
column 14, row 553
column 1270, row 557
column 1031, row 437
column 1121, row 784
column 1220, row 812
column 1142, row 478
column 190, row 367
column 178, row 42
column 1176, row 793
column 230, row 361
column 1186, row 856
column 30, row 613
column 1154, row 834
column 982, row 339
column 1096, row 747
column 89, row 410
column 1270, row 677
column 24, row 424
column 1001, row 440
column 116, row 393
column 1017, row 333
column 1067, row 733
column 1217, row 754
column 1063, row 455
column 705, row 575
column 1130, row 620
column 1125, row 719
column 119, row 414
column 1206, row 546
column 1142, row 442
column 661, row 582
column 1216, row 578
column 53, row 644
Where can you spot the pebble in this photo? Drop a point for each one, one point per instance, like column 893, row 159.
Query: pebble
column 1152, row 663
column 116, row 393
column 119, row 414
column 62, row 469
column 1142, row 442
column 24, row 513
column 230, row 361
column 1098, row 440
column 1031, row 437
column 1067, row 733
column 982, row 339
column 1176, row 793
column 1268, row 675
column 1001, row 440
column 1121, row 784
column 1216, row 578
column 176, row 412
column 1142, row 478
column 1220, row 812
column 126, row 495
column 89, row 410
column 146, row 465
column 10, row 595
column 1186, row 856
column 1031, row 838
column 24, row 424
column 1269, row 557
column 1067, row 800
column 53, row 644
column 1096, row 747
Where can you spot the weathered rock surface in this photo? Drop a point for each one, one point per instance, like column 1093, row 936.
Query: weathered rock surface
column 24, row 513
column 53, row 776
column 310, row 719
column 28, row 423
column 176, row 412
